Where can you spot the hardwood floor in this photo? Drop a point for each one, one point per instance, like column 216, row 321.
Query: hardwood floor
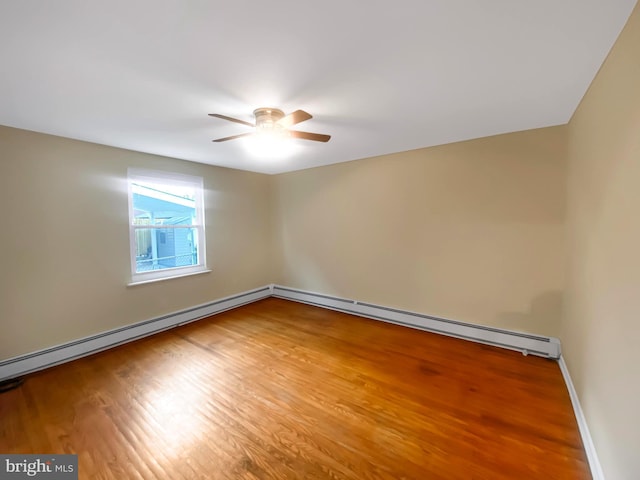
column 277, row 389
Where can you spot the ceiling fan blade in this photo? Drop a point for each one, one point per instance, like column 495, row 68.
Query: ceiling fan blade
column 316, row 137
column 231, row 119
column 296, row 117
column 232, row 137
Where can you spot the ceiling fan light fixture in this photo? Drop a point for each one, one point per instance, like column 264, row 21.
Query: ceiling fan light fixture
column 270, row 145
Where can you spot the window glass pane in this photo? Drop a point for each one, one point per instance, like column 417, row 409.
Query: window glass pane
column 167, row 233
column 161, row 204
column 161, row 248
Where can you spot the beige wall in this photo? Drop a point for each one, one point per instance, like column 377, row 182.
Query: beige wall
column 471, row 231
column 601, row 328
column 64, row 244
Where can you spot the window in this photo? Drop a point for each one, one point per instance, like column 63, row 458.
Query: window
column 166, row 224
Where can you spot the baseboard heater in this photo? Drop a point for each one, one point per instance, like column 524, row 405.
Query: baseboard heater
column 548, row 347
column 24, row 364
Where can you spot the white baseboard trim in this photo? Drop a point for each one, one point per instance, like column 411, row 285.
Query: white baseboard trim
column 587, row 441
column 31, row 362
column 548, row 347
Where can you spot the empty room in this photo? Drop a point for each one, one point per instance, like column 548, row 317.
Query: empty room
column 347, row 240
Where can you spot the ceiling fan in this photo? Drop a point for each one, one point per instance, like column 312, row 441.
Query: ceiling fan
column 274, row 121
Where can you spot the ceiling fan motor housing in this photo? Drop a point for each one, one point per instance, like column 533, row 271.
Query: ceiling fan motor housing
column 267, row 118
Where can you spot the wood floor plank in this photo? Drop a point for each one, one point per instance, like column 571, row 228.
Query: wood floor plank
column 281, row 390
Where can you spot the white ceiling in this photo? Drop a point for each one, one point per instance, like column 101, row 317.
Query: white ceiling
column 379, row 76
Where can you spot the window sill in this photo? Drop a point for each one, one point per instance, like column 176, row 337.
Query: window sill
column 154, row 280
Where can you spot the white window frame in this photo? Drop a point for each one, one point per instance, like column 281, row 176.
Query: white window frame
column 138, row 175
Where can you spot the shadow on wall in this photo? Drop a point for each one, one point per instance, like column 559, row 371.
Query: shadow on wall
column 543, row 317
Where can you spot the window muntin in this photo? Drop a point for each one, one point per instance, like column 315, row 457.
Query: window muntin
column 166, row 222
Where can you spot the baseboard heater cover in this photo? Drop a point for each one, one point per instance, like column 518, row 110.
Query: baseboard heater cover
column 548, row 347
column 29, row 363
